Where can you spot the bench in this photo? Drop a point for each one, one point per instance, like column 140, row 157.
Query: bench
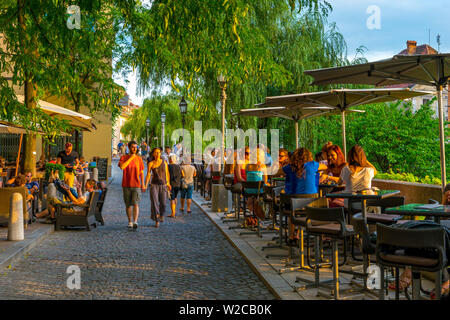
column 5, row 203
column 70, row 215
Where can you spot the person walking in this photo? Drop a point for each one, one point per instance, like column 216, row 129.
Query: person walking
column 187, row 186
column 132, row 183
column 176, row 175
column 158, row 170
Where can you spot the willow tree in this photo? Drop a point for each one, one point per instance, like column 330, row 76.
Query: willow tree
column 261, row 47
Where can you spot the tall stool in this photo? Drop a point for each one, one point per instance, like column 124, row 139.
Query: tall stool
column 392, row 251
column 336, row 229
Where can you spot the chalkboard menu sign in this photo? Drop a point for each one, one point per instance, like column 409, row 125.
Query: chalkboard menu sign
column 102, row 167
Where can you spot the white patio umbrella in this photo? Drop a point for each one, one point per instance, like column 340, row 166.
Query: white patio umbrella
column 75, row 119
column 429, row 69
column 340, row 100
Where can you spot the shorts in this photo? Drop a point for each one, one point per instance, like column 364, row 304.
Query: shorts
column 131, row 196
column 174, row 193
column 187, row 193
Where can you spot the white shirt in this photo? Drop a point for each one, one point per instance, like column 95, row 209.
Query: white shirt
column 359, row 180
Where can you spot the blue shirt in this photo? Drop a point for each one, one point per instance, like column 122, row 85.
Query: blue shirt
column 307, row 184
column 31, row 184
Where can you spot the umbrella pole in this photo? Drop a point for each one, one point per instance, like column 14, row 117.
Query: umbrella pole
column 296, row 134
column 441, row 136
column 344, row 138
column 18, row 154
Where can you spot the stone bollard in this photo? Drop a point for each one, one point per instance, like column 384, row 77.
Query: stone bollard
column 95, row 174
column 15, row 225
column 86, row 176
column 51, row 191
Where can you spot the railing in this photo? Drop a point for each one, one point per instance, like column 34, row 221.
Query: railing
column 413, row 192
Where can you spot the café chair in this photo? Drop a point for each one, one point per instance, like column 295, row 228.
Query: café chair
column 298, row 218
column 228, row 184
column 336, row 229
column 246, row 185
column 400, row 248
column 70, row 215
column 283, row 215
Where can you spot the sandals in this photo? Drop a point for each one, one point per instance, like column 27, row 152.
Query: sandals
column 189, row 211
column 445, row 290
column 404, row 282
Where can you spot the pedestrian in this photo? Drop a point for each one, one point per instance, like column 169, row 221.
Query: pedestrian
column 69, row 159
column 176, row 175
column 132, row 183
column 158, row 170
column 187, row 186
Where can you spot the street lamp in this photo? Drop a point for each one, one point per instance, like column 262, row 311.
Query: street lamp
column 183, row 109
column 147, row 125
column 163, row 121
column 223, row 97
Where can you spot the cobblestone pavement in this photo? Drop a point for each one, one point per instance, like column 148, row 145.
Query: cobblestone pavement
column 185, row 258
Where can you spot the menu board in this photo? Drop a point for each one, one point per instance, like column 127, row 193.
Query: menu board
column 102, row 167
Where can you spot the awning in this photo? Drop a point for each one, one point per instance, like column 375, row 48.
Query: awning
column 75, row 119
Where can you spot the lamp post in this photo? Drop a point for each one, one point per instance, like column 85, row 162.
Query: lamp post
column 223, row 97
column 147, row 125
column 183, row 109
column 163, row 121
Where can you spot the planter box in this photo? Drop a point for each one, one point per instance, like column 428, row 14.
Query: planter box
column 413, row 192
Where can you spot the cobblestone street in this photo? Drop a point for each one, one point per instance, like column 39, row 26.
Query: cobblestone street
column 185, row 258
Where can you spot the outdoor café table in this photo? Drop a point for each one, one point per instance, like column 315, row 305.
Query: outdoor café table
column 279, row 181
column 413, row 209
column 363, row 196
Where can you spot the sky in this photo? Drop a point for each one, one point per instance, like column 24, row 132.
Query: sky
column 382, row 26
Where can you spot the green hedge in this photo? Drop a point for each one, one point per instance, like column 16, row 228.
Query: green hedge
column 49, row 167
column 409, row 177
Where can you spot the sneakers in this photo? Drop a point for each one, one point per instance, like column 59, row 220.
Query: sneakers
column 130, row 225
column 135, row 225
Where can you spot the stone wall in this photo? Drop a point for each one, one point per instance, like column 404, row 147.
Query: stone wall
column 413, row 192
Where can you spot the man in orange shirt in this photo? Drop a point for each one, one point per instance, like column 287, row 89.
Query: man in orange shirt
column 132, row 182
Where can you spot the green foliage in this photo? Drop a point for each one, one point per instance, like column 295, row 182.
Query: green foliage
column 409, row 177
column 395, row 138
column 49, row 167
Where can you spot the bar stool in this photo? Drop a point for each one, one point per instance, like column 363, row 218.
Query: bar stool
column 392, row 251
column 285, row 212
column 337, row 229
column 246, row 185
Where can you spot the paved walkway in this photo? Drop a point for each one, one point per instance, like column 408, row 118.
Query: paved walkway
column 185, row 258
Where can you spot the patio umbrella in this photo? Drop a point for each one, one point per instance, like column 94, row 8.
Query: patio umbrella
column 340, row 100
column 294, row 114
column 428, row 69
column 75, row 119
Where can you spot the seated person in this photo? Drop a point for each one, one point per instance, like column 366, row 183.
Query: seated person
column 32, row 186
column 256, row 172
column 79, row 199
column 301, row 178
column 82, row 166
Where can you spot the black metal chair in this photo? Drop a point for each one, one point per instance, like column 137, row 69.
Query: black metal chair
column 246, row 194
column 336, row 229
column 283, row 216
column 100, row 202
column 420, row 249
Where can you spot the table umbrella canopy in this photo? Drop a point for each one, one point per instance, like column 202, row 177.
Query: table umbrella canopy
column 293, row 114
column 6, row 127
column 75, row 119
column 428, row 69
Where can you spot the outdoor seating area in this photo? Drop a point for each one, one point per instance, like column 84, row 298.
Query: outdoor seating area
column 354, row 251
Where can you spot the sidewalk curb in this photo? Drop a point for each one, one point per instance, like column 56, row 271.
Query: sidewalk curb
column 20, row 248
column 279, row 287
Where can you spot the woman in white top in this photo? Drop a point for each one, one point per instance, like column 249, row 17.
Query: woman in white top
column 359, row 172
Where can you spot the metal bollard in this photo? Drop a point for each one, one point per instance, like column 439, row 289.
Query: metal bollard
column 15, row 225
